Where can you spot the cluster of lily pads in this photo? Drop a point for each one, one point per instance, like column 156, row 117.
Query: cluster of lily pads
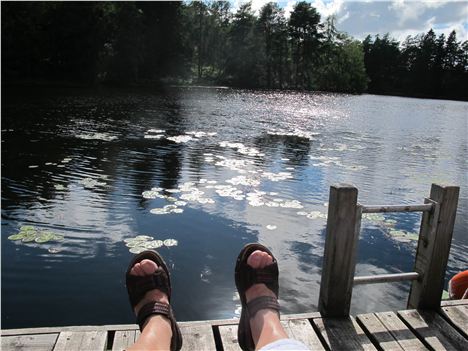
column 29, row 233
column 242, row 149
column 388, row 227
column 96, row 136
column 183, row 138
column 141, row 243
column 90, row 183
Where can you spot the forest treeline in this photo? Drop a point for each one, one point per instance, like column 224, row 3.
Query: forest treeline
column 209, row 43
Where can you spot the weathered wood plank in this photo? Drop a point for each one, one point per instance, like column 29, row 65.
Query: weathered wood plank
column 38, row 342
column 199, row 337
column 301, row 330
column 400, row 331
column 433, row 330
column 458, row 316
column 339, row 259
column 375, row 329
column 454, row 302
column 433, row 248
column 81, row 328
column 228, row 335
column 343, row 334
column 123, row 339
column 91, row 340
column 115, row 327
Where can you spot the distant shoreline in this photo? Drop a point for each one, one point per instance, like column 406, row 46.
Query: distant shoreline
column 162, row 86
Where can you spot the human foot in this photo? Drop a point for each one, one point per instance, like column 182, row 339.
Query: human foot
column 147, row 268
column 259, row 260
column 149, row 290
column 257, row 283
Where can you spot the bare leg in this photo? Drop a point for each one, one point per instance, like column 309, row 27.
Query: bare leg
column 157, row 332
column 265, row 326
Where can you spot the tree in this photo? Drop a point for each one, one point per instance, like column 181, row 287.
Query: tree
column 243, row 50
column 304, row 25
column 273, row 31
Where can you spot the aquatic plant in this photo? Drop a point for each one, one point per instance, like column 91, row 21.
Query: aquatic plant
column 141, row 243
column 29, row 233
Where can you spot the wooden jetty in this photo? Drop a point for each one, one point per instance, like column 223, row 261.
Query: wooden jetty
column 427, row 324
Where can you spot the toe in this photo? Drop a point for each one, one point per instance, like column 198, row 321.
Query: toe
column 254, row 259
column 137, row 270
column 266, row 260
column 259, row 259
column 148, row 267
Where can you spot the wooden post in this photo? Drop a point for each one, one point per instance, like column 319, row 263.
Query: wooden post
column 433, row 248
column 339, row 260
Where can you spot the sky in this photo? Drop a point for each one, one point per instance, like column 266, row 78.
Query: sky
column 400, row 18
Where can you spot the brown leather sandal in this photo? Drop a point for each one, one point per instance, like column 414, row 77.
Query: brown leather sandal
column 138, row 286
column 245, row 277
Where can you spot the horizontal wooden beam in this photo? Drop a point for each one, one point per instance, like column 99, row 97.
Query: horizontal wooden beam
column 385, row 278
column 397, row 208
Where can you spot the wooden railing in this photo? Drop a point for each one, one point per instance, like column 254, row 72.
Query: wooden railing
column 343, row 228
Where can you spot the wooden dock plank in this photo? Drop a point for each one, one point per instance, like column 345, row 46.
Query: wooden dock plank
column 301, row 330
column 446, row 303
column 458, row 316
column 124, row 339
column 228, row 335
column 86, row 341
column 39, row 342
column 404, row 336
column 434, row 330
column 198, row 337
column 343, row 334
column 376, row 330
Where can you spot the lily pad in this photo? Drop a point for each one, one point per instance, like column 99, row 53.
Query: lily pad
column 153, row 244
column 18, row 236
column 137, row 250
column 170, row 242
column 29, row 234
column 28, row 238
column 44, row 237
column 144, row 237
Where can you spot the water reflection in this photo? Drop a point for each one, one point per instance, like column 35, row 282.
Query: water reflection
column 264, row 176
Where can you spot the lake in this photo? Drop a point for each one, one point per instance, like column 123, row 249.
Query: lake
column 200, row 173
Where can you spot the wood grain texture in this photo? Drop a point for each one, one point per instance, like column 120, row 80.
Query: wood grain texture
column 378, row 332
column 123, row 339
column 228, row 335
column 198, row 337
column 92, row 340
column 301, row 330
column 458, row 316
column 342, row 334
column 38, row 342
column 436, row 333
column 433, row 248
column 339, row 258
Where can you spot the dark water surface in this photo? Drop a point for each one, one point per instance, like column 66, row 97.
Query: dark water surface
column 77, row 163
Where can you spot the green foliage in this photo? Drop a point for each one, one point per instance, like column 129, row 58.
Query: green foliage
column 424, row 65
column 205, row 42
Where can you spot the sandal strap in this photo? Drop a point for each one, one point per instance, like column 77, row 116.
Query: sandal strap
column 267, row 276
column 153, row 308
column 138, row 286
column 261, row 303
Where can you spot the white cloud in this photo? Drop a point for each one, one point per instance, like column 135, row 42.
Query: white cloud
column 400, row 18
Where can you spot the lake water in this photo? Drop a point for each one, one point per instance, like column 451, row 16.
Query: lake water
column 244, row 166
